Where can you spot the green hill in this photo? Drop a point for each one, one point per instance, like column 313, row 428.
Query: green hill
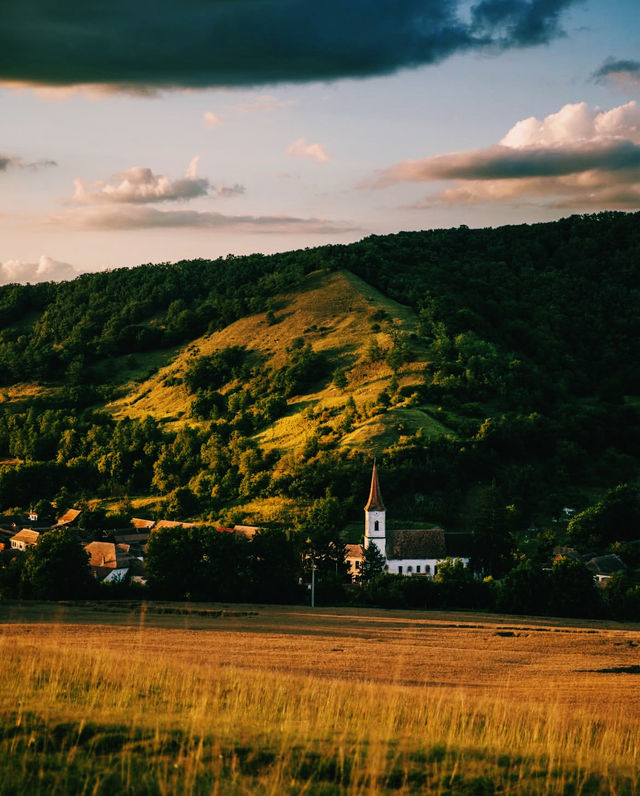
column 460, row 357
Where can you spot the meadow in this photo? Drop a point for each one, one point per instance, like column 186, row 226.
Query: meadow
column 204, row 699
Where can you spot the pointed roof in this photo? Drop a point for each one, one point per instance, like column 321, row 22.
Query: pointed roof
column 375, row 496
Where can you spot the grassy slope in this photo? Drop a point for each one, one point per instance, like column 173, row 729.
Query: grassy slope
column 333, row 312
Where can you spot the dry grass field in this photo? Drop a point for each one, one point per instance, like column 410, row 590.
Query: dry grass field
column 178, row 699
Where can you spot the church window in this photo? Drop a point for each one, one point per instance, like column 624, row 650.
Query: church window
column 418, row 568
column 427, row 568
column 400, row 570
column 409, row 569
column 376, row 526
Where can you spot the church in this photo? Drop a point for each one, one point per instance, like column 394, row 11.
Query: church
column 406, row 552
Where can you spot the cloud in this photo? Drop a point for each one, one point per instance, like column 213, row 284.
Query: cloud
column 576, row 157
column 196, row 43
column 230, row 190
column 301, row 149
column 90, row 91
column 45, row 270
column 11, row 161
column 211, row 120
column 264, row 103
column 132, row 217
column 139, row 185
column 622, row 74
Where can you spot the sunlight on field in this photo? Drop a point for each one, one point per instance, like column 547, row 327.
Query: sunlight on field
column 276, row 701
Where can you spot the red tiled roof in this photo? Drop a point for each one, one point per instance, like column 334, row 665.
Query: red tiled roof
column 137, row 522
column 353, row 551
column 68, row 517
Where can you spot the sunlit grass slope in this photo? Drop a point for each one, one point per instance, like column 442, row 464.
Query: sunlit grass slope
column 201, row 700
column 335, row 313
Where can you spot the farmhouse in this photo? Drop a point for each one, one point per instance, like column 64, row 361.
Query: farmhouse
column 24, row 538
column 407, row 552
column 109, row 561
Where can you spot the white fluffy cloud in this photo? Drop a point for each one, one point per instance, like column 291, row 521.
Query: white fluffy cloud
column 577, row 157
column 139, row 185
column 300, row 149
column 45, row 270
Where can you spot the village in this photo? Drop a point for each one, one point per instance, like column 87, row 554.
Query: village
column 118, row 556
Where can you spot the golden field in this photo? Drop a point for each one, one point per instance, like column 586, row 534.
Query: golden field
column 164, row 699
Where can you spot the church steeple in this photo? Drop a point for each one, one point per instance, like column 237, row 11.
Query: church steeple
column 374, row 516
column 375, row 496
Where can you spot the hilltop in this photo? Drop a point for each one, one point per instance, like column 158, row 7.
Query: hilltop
column 340, row 316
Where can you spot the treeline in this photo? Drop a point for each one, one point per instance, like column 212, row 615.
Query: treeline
column 523, row 315
column 52, row 331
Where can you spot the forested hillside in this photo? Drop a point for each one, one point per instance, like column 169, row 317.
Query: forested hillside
column 247, row 388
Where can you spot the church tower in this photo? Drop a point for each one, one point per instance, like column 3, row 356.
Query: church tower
column 374, row 516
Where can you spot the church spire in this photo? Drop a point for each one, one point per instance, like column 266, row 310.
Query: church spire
column 375, row 496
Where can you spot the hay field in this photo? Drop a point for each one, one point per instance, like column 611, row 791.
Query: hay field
column 164, row 699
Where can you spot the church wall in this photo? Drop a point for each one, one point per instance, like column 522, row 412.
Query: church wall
column 409, row 566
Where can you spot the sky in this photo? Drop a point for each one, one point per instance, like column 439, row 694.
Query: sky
column 137, row 131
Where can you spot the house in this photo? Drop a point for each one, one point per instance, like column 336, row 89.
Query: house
column 603, row 567
column 109, row 562
column 409, row 552
column 25, row 538
column 354, row 558
column 249, row 531
column 142, row 525
column 68, row 518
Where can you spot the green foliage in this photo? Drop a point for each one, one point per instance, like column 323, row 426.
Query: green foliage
column 204, row 563
column 215, row 370
column 57, row 568
column 340, row 379
column 572, row 591
column 196, row 563
column 320, row 528
column 373, row 564
column 614, row 518
column 493, row 541
column 524, row 590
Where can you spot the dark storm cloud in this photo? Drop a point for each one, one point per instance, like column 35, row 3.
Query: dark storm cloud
column 243, row 42
column 507, row 163
column 518, row 23
column 622, row 71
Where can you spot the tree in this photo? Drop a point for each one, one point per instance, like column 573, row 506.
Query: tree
column 321, row 529
column 614, row 518
column 274, row 567
column 493, row 542
column 523, row 590
column 572, row 590
column 340, row 378
column 374, row 563
column 57, row 568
